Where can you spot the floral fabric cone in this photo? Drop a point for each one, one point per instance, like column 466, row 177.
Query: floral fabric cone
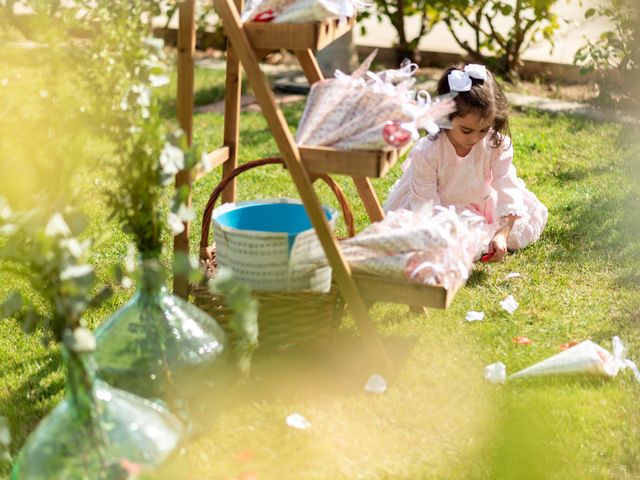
column 298, row 11
column 586, row 358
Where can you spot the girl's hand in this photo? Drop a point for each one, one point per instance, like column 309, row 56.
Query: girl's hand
column 498, row 245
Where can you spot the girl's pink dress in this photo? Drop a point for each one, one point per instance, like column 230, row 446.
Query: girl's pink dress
column 484, row 181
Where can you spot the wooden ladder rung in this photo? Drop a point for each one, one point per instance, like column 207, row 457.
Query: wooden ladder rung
column 359, row 163
column 213, row 159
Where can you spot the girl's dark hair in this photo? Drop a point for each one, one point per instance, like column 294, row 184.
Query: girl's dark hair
column 485, row 98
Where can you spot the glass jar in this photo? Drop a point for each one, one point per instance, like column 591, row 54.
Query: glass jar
column 164, row 348
column 97, row 431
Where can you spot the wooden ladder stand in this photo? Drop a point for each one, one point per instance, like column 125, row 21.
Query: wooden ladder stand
column 249, row 43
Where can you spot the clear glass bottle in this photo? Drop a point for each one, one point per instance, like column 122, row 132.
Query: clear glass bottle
column 97, row 432
column 162, row 347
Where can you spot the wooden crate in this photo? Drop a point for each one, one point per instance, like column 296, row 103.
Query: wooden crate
column 359, row 163
column 295, row 36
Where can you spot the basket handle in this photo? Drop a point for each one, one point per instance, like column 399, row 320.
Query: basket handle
column 208, row 209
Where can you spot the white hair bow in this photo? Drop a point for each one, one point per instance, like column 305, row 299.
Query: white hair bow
column 460, row 80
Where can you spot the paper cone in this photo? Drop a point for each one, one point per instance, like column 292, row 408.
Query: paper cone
column 586, row 358
column 323, row 98
column 255, row 8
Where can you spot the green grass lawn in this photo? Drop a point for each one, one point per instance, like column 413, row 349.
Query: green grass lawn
column 439, row 417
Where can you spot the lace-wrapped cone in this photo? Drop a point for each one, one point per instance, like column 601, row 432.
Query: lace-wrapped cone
column 162, row 347
column 97, row 432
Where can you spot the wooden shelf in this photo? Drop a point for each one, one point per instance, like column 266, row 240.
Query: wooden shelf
column 295, row 36
column 358, row 163
column 382, row 289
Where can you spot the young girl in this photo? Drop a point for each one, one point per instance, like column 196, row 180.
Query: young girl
column 469, row 165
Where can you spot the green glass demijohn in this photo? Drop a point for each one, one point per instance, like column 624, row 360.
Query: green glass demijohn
column 97, row 432
column 161, row 347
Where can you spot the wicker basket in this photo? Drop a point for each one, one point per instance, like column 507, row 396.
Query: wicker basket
column 286, row 320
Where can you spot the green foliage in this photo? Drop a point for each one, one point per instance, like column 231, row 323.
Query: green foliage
column 5, row 442
column 237, row 297
column 530, row 22
column 615, row 56
column 397, row 13
column 47, row 252
column 124, row 64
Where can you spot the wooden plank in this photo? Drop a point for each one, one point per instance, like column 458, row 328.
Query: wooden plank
column 369, row 198
column 358, row 163
column 186, row 50
column 231, row 135
column 309, row 66
column 295, row 36
column 291, row 156
column 214, row 159
column 382, row 289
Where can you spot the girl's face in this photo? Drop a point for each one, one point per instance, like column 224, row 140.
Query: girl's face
column 467, row 131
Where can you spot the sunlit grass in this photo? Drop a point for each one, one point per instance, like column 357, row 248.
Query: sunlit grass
column 439, row 418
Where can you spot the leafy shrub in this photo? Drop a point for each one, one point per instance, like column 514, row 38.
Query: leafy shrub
column 397, row 13
column 501, row 51
column 614, row 57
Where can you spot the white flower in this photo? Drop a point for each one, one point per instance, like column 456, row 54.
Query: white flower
column 175, row 224
column 8, row 230
column 186, row 214
column 80, row 340
column 206, row 163
column 76, row 271
column 74, row 247
column 144, row 95
column 126, row 283
column 171, row 159
column 57, row 227
column 5, row 209
column 154, row 43
column 158, row 80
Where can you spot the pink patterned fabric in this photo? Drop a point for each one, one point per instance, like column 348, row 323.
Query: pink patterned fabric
column 484, row 181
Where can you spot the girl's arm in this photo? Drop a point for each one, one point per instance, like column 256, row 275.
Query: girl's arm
column 506, row 183
column 498, row 244
column 423, row 176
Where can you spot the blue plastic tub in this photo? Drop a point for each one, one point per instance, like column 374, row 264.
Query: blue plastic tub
column 289, row 218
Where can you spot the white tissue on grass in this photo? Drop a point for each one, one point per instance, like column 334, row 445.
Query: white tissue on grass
column 473, row 316
column 496, row 372
column 513, row 275
column 295, row 420
column 509, row 304
column 376, row 384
